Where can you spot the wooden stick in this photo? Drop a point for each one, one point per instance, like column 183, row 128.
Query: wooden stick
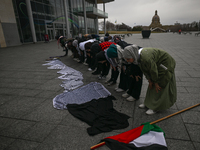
column 98, row 145
column 174, row 114
column 103, row 143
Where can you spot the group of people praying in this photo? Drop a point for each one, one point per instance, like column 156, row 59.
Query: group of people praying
column 129, row 62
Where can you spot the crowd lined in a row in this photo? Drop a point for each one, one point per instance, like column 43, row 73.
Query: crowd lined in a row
column 128, row 62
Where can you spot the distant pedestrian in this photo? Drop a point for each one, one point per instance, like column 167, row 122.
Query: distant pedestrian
column 107, row 34
column 179, row 31
column 46, row 38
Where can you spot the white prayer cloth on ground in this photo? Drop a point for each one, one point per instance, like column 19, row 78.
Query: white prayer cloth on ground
column 81, row 95
column 68, row 70
column 70, row 85
column 71, row 77
column 55, row 64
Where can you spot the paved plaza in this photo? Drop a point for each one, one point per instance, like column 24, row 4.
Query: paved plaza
column 28, row 120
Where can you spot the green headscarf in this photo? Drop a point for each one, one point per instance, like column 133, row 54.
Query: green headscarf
column 112, row 51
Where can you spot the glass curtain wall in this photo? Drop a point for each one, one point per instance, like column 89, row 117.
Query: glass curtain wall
column 22, row 20
column 76, row 17
column 49, row 18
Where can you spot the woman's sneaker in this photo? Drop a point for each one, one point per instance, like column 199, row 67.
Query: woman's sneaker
column 101, row 77
column 150, row 112
column 130, row 98
column 142, row 106
column 89, row 69
column 119, row 90
column 125, row 95
column 111, row 83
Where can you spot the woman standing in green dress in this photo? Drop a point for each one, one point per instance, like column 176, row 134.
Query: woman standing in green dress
column 158, row 67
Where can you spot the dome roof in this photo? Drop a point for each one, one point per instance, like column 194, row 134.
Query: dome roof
column 156, row 17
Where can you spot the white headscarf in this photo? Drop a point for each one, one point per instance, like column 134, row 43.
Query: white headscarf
column 75, row 43
column 131, row 51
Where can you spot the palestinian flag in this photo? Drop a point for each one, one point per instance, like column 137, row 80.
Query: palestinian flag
column 144, row 137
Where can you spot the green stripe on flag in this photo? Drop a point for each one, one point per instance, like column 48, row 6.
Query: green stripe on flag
column 150, row 127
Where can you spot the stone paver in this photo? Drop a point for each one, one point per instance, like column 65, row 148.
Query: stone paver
column 29, row 121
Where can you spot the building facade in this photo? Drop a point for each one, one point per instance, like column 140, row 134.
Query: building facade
column 155, row 21
column 32, row 19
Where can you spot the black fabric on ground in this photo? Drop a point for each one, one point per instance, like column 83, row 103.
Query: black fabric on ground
column 115, row 145
column 100, row 115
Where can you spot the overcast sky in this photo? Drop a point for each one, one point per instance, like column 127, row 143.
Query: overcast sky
column 140, row 12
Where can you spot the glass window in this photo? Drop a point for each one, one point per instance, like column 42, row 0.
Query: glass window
column 26, row 30
column 35, row 16
column 15, row 7
column 19, row 30
column 46, row 1
column 33, row 6
column 39, row 7
column 53, row 11
column 58, row 25
column 49, row 25
column 41, row 16
column 38, row 1
column 58, row 3
column 51, row 2
column 47, row 9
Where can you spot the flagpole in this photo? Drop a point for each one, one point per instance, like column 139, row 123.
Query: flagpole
column 174, row 114
column 103, row 143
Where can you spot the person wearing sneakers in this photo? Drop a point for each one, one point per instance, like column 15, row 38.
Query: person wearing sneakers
column 94, row 49
column 89, row 56
column 135, row 83
column 75, row 44
column 158, row 67
column 82, row 48
column 104, row 64
column 115, row 52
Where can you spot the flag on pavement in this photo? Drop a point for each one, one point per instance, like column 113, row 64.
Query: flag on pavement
column 145, row 137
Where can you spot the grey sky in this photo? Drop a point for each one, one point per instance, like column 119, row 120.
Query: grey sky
column 140, row 12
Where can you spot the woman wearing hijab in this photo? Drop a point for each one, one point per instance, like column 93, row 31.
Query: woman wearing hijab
column 130, row 77
column 158, row 67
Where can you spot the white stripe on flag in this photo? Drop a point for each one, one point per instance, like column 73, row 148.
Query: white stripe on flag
column 150, row 138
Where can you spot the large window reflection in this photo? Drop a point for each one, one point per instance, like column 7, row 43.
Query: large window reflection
column 49, row 18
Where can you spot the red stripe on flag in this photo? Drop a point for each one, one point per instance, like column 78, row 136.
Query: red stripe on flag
column 128, row 136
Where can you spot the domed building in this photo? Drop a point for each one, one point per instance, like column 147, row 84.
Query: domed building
column 155, row 24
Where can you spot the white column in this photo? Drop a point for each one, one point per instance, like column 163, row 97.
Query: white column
column 30, row 17
column 97, row 24
column 104, row 18
column 85, row 19
column 66, row 19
